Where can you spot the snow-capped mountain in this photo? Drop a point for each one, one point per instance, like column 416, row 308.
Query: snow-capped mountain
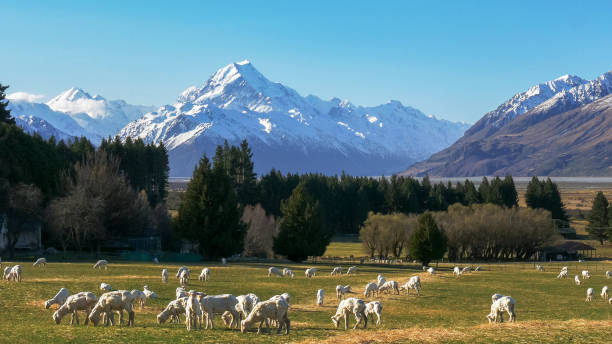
column 287, row 131
column 31, row 125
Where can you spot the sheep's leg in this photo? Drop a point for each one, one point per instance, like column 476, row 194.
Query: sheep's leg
column 260, row 326
column 235, row 317
column 131, row 318
column 358, row 320
column 346, row 319
column 212, row 323
column 379, row 321
column 287, row 324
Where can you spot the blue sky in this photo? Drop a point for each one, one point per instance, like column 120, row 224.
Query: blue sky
column 454, row 59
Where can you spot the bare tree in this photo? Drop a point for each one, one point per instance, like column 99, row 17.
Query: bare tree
column 261, row 230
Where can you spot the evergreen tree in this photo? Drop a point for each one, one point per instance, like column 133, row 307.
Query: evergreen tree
column 534, row 195
column 508, row 192
column 302, row 231
column 5, row 114
column 552, row 201
column 427, row 241
column 471, row 194
column 599, row 222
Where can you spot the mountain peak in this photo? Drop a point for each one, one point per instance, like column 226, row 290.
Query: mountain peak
column 73, row 94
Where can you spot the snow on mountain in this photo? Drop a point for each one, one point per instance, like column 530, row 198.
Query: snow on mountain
column 31, row 125
column 582, row 94
column 287, row 131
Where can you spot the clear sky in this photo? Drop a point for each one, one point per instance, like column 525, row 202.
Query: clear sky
column 454, row 59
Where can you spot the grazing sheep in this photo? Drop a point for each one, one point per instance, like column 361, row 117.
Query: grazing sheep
column 7, row 272
column 504, row 304
column 381, row 280
column 605, row 292
column 590, row 293
column 608, row 274
column 341, row 290
column 193, row 311
column 148, row 293
column 478, row 268
column 180, row 270
column 83, row 301
column 101, row 264
column 274, row 271
column 204, row 275
column 586, row 274
column 218, row 304
column 431, row 271
column 576, row 280
column 184, row 278
column 466, row 269
column 562, row 274
column 348, row 306
column 374, row 308
column 413, row 283
column 457, row 271
column 119, row 301
column 276, row 309
column 139, row 298
column 320, row 296
column 15, row 274
column 311, row 272
column 164, row 275
column 496, row 297
column 173, row 310
column 337, row 271
column 424, row 268
column 59, row 298
column 40, row 262
column 105, row 286
column 352, row 270
column 181, row 292
column 610, row 300
column 388, row 286
column 244, row 306
column 288, row 272
column 539, row 268
column 370, row 289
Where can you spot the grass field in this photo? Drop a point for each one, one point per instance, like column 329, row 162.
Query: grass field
column 449, row 310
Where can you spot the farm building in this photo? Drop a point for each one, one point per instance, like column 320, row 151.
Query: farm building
column 567, row 250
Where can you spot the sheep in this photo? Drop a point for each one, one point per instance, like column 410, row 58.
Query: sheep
column 337, row 271
column 586, row 274
column 496, row 297
column 352, row 270
column 219, row 304
column 15, row 274
column 244, row 306
column 424, row 268
column 374, row 308
column 413, row 283
column 431, row 271
column 164, row 275
column 610, row 300
column 181, row 292
column 605, row 292
column 119, row 300
column 539, row 268
column 589, row 296
column 576, row 280
column 274, row 308
column 320, row 296
column 101, row 264
column 180, row 270
column 105, row 286
column 139, row 298
column 466, row 269
column 341, row 290
column 389, row 285
column 284, row 296
column 288, row 272
column 7, row 272
column 274, row 271
column 223, row 261
column 370, row 289
column 504, row 304
column 148, row 293
column 193, row 311
column 59, row 298
column 204, row 275
column 83, row 301
column 381, row 280
column 173, row 310
column 184, row 278
column 40, row 262
column 457, row 271
column 354, row 305
column 562, row 274
column 478, row 268
column 155, row 260
column 311, row 272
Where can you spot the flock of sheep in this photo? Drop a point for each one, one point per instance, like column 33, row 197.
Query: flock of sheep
column 248, row 310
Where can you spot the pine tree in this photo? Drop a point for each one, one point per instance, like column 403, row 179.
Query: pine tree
column 5, row 114
column 471, row 194
column 427, row 242
column 599, row 222
column 552, row 201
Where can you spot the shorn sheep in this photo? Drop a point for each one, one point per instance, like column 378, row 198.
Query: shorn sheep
column 539, row 268
column 218, row 304
column 59, row 298
column 466, row 269
column 193, row 311
column 244, row 306
column 562, row 274
column 605, row 292
column 40, row 262
column 586, row 274
column 341, row 290
column 83, row 301
column 180, row 270
column 164, row 275
column 101, row 264
column 119, row 300
column 15, row 274
column 7, row 272
column 496, row 297
column 576, row 280
column 380, row 279
column 374, row 308
column 457, row 271
column 276, row 309
column 311, row 272
column 320, row 296
column 431, row 271
column 370, row 289
column 204, row 275
column 590, row 293
column 352, row 270
column 288, row 272
column 348, row 306
column 181, row 292
column 184, row 278
column 337, row 271
column 388, row 286
column 173, row 311
column 105, row 286
column 608, row 274
column 139, row 298
column 413, row 283
column 503, row 304
column 275, row 271
column 148, row 293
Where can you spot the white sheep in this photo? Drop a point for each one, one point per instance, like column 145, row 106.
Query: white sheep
column 539, row 268
column 274, row 308
column 457, row 271
column 119, row 301
column 7, row 272
column 478, row 268
column 148, row 292
column 431, row 271
column 155, row 260
column 59, row 298
column 562, row 274
column 370, row 289
column 173, row 310
column 388, row 286
column 504, row 304
column 83, row 301
column 337, row 271
column 320, row 296
column 288, row 272
column 184, row 278
column 424, row 268
column 348, row 306
column 352, row 270
column 223, row 261
column 381, row 280
column 610, row 300
column 496, row 297
column 413, row 283
column 193, row 311
column 466, row 269
column 243, row 307
column 605, row 292
column 589, row 293
column 105, row 286
column 101, row 264
column 204, row 275
column 139, row 298
column 586, row 274
column 180, row 270
column 608, row 274
column 40, row 262
column 374, row 308
column 274, row 271
column 311, row 272
column 218, row 304
column 576, row 280
column 181, row 292
column 164, row 275
column 341, row 290
column 15, row 274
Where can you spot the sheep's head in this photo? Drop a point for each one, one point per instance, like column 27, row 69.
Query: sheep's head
column 57, row 317
column 336, row 320
column 48, row 304
column 162, row 317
